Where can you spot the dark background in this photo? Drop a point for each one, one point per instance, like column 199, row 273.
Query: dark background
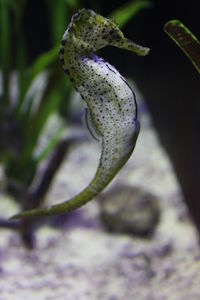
column 165, row 77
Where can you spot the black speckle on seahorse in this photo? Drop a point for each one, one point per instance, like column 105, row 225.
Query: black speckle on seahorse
column 111, row 104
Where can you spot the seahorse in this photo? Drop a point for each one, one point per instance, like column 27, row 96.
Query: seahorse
column 111, row 104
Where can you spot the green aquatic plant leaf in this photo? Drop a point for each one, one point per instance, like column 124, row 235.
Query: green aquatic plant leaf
column 5, row 48
column 185, row 39
column 72, row 3
column 58, row 11
column 43, row 61
column 123, row 14
column 36, row 121
column 49, row 147
column 28, row 76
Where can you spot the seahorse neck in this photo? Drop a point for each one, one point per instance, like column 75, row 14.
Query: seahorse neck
column 76, row 63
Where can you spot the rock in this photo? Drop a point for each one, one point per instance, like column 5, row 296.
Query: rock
column 130, row 209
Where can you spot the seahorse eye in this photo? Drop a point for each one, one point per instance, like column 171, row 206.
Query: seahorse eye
column 114, row 35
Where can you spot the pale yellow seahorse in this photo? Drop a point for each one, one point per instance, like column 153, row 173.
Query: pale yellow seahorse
column 112, row 109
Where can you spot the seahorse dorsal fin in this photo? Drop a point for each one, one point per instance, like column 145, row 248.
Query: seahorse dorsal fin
column 90, row 125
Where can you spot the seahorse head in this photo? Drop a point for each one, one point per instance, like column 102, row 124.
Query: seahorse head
column 93, row 31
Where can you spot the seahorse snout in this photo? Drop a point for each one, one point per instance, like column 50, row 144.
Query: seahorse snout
column 127, row 44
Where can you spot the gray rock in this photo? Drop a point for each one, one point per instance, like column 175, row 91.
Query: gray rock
column 130, row 209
